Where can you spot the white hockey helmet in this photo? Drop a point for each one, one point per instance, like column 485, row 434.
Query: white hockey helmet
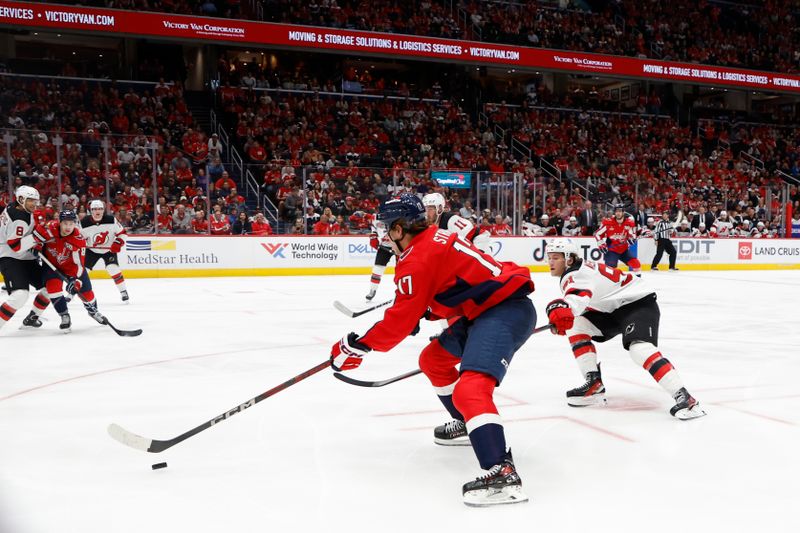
column 650, row 220
column 97, row 204
column 433, row 199
column 561, row 246
column 25, row 192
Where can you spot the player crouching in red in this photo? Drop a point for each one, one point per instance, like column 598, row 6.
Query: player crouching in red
column 64, row 247
column 440, row 275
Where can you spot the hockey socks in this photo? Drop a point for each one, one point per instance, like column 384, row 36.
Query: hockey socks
column 439, row 366
column 15, row 301
column 473, row 398
column 116, row 274
column 648, row 356
column 584, row 352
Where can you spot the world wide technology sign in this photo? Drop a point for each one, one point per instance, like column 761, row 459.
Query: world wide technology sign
column 112, row 21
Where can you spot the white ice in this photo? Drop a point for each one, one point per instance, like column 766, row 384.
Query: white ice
column 326, row 456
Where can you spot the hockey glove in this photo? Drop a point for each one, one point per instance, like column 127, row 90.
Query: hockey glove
column 373, row 240
column 631, row 241
column 42, row 235
column 116, row 246
column 73, row 286
column 347, row 353
column 603, row 247
column 560, row 315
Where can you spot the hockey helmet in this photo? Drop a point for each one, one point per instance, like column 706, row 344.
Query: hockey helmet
column 67, row 214
column 407, row 207
column 650, row 220
column 25, row 192
column 433, row 199
column 561, row 246
column 96, row 204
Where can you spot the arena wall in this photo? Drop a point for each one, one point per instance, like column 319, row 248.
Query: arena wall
column 197, row 256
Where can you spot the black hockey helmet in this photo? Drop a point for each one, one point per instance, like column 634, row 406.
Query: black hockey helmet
column 67, row 214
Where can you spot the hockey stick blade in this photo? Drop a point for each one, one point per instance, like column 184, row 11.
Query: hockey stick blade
column 124, row 332
column 137, row 442
column 359, row 383
column 352, row 314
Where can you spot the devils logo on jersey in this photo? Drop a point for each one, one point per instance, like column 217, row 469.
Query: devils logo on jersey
column 100, row 239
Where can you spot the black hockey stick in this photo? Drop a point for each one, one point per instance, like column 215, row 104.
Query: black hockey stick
column 120, row 332
column 156, row 446
column 358, row 383
column 352, row 314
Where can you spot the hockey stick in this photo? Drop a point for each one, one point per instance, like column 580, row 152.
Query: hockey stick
column 156, row 446
column 120, row 332
column 358, row 383
column 352, row 314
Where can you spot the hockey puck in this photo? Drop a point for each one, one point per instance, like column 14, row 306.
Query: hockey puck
column 159, row 465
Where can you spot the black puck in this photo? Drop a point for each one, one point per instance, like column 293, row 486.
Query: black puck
column 159, row 465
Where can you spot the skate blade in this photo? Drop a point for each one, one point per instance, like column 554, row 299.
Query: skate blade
column 587, row 401
column 489, row 497
column 460, row 441
column 690, row 414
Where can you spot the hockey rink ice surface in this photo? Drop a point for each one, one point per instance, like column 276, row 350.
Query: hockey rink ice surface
column 326, row 456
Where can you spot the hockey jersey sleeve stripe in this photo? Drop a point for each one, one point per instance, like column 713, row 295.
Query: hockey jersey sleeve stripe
column 14, row 244
column 579, row 292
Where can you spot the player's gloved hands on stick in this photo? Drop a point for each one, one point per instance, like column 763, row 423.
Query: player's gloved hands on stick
column 603, row 247
column 348, row 352
column 116, row 246
column 73, row 286
column 560, row 315
column 631, row 241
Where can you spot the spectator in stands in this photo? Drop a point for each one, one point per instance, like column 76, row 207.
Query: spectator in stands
column 141, row 222
column 571, row 228
column 219, row 222
column 181, row 220
column 323, row 227
column 199, row 222
column 225, row 182
column 260, row 226
column 379, row 188
column 500, row 228
column 214, row 148
column 467, row 211
column 588, row 219
column 242, row 226
column 703, row 218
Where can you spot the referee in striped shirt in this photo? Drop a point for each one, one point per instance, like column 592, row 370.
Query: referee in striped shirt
column 662, row 233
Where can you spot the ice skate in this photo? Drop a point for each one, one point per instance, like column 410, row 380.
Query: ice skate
column 66, row 323
column 501, row 485
column 593, row 392
column 686, row 407
column 32, row 321
column 453, row 433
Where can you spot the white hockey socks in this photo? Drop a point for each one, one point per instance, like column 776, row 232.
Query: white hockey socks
column 648, row 357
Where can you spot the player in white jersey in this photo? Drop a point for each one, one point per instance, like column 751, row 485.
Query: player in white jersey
column 434, row 206
column 599, row 303
column 18, row 264
column 105, row 238
column 722, row 226
column 435, row 214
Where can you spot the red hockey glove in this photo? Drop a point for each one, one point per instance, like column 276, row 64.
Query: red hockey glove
column 41, row 234
column 116, row 246
column 347, row 353
column 603, row 247
column 373, row 240
column 560, row 315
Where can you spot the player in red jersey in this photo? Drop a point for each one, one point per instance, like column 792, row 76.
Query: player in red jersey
column 65, row 248
column 615, row 236
column 440, row 275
